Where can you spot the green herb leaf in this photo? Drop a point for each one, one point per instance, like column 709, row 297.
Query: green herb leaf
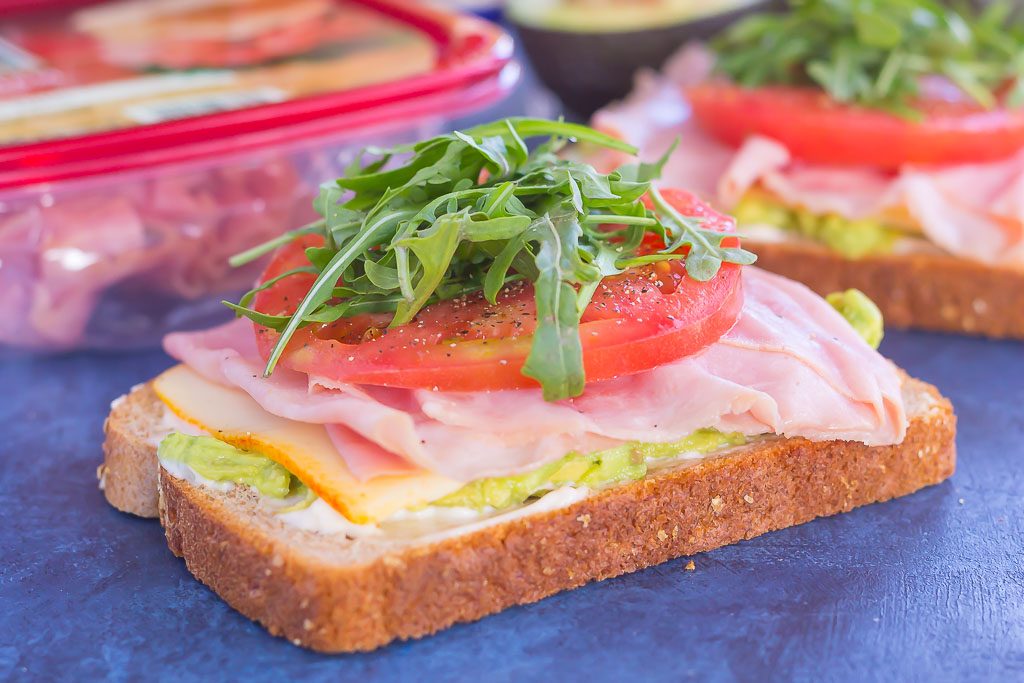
column 434, row 249
column 556, row 357
column 875, row 52
column 274, row 322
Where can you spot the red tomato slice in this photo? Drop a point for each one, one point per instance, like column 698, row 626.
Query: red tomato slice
column 645, row 317
column 819, row 130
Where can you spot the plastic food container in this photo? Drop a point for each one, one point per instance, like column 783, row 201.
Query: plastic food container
column 143, row 143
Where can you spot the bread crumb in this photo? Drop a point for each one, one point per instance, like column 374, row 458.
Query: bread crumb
column 307, row 624
column 297, row 643
column 961, row 501
column 277, row 561
column 690, row 566
column 749, row 498
column 662, row 536
column 267, row 571
column 304, row 604
column 675, row 533
column 717, row 504
column 584, row 520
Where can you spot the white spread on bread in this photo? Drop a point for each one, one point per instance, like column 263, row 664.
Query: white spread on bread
column 170, row 422
column 428, row 523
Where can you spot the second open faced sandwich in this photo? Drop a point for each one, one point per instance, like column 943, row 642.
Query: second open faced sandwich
column 860, row 143
column 490, row 374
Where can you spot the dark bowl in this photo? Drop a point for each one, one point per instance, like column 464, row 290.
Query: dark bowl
column 590, row 69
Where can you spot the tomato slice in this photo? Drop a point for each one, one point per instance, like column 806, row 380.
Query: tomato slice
column 645, row 317
column 817, row 129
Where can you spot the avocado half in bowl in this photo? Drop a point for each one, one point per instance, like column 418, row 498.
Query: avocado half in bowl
column 587, row 51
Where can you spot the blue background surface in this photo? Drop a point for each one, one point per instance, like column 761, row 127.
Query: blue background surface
column 922, row 588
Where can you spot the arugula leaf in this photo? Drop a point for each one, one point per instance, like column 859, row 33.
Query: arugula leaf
column 645, row 172
column 434, row 249
column 556, row 357
column 274, row 322
column 260, row 250
column 322, row 288
column 382, row 275
column 473, row 211
column 251, row 294
column 875, row 52
column 529, row 127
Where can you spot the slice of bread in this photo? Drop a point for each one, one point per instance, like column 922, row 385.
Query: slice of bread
column 128, row 475
column 337, row 594
column 924, row 290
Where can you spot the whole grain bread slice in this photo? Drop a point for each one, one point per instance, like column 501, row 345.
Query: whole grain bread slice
column 926, row 290
column 128, row 475
column 335, row 593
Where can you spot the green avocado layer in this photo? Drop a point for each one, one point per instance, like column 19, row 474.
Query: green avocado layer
column 222, row 462
column 623, row 463
column 862, row 314
column 851, row 238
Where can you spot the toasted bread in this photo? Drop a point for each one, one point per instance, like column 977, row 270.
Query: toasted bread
column 925, row 290
column 335, row 593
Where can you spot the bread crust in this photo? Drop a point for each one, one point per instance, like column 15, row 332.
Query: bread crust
column 415, row 590
column 128, row 475
column 928, row 291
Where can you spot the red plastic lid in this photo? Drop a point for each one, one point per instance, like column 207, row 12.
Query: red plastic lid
column 471, row 67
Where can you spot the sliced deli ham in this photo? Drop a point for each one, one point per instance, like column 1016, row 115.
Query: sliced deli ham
column 376, row 423
column 975, row 211
column 790, row 366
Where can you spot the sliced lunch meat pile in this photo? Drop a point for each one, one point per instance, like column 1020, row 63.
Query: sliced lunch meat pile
column 975, row 211
column 137, row 255
column 791, row 366
column 971, row 210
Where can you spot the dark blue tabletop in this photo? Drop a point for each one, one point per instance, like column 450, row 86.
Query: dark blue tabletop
column 928, row 587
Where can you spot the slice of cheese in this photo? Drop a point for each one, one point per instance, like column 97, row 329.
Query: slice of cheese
column 304, row 449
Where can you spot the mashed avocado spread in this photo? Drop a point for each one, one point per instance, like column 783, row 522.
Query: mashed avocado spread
column 222, row 462
column 851, row 238
column 862, row 314
column 218, row 461
column 623, row 463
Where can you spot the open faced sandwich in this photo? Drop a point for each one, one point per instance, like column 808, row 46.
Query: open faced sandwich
column 860, row 144
column 491, row 373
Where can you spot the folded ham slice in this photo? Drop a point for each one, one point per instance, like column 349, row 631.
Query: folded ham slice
column 975, row 211
column 791, row 366
column 971, row 210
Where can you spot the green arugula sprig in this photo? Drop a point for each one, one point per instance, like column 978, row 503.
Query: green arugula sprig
column 415, row 225
column 875, row 52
